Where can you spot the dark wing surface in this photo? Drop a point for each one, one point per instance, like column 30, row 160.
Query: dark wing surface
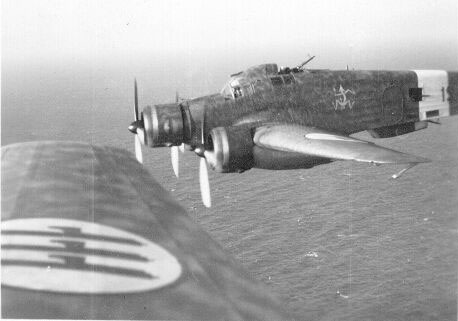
column 316, row 142
column 88, row 234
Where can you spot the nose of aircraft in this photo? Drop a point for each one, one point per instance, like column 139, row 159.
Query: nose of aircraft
column 163, row 125
column 134, row 126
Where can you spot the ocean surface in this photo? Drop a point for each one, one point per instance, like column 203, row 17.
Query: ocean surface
column 341, row 241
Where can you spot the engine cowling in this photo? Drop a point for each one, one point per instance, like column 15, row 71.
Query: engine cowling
column 165, row 125
column 230, row 149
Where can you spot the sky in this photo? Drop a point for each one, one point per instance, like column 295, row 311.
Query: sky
column 363, row 34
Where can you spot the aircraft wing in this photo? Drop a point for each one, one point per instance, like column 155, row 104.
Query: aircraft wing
column 316, row 142
column 88, row 234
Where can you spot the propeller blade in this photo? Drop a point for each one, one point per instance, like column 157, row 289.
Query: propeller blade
column 135, row 100
column 204, row 183
column 138, row 149
column 175, row 159
column 202, row 127
column 203, row 169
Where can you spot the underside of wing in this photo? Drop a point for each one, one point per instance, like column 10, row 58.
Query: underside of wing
column 316, row 142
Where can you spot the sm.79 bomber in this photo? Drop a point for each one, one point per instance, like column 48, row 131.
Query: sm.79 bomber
column 287, row 118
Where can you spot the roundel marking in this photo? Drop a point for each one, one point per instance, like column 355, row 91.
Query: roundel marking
column 70, row 256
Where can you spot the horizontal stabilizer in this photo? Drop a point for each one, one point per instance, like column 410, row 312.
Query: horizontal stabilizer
column 315, row 142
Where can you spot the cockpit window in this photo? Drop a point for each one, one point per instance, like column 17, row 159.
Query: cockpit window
column 226, row 92
column 276, row 81
column 235, row 89
column 289, row 79
column 237, row 92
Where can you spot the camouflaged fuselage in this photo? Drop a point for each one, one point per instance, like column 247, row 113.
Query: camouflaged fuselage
column 340, row 101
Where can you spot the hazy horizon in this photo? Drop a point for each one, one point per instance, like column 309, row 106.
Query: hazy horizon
column 364, row 35
column 56, row 51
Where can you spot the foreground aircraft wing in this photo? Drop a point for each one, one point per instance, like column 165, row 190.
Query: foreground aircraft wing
column 88, row 234
column 315, row 142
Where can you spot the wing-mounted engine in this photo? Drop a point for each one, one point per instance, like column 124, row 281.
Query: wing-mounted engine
column 230, row 149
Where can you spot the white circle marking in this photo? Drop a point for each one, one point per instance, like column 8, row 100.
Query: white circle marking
column 70, row 256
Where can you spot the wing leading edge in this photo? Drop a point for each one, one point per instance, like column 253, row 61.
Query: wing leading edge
column 316, row 142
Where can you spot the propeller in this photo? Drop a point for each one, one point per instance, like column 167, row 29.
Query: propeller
column 203, row 168
column 204, row 183
column 174, row 155
column 137, row 127
column 175, row 160
column 182, row 146
column 138, row 150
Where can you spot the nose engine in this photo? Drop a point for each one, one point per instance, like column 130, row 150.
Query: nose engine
column 165, row 125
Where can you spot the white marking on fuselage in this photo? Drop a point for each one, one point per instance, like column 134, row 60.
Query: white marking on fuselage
column 342, row 101
column 322, row 136
column 434, row 85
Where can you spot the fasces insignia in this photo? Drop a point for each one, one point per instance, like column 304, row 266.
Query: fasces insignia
column 70, row 256
column 343, row 98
